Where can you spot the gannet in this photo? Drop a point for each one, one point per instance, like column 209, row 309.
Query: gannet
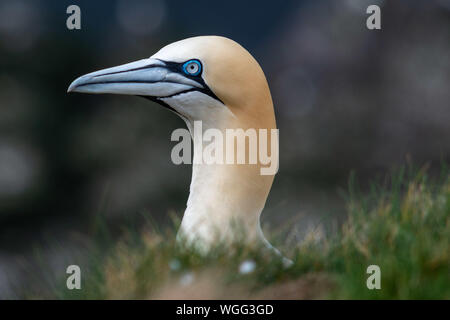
column 214, row 80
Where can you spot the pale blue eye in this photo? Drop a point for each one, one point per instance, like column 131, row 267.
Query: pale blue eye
column 192, row 67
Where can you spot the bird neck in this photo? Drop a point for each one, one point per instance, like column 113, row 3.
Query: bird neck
column 217, row 204
column 225, row 200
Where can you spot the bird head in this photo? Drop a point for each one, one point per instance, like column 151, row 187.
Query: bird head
column 207, row 78
column 214, row 80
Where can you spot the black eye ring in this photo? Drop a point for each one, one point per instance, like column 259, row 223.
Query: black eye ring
column 192, row 67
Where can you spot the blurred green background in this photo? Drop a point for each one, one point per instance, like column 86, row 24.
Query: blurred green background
column 346, row 98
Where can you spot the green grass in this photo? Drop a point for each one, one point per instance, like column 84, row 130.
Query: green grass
column 403, row 226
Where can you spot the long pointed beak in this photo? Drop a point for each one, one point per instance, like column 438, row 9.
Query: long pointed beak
column 147, row 77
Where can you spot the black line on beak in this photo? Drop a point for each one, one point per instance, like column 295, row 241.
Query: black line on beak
column 125, row 81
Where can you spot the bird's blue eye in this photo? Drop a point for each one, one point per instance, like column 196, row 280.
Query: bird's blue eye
column 192, row 67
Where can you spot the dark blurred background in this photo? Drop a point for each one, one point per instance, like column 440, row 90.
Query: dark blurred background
column 346, row 98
